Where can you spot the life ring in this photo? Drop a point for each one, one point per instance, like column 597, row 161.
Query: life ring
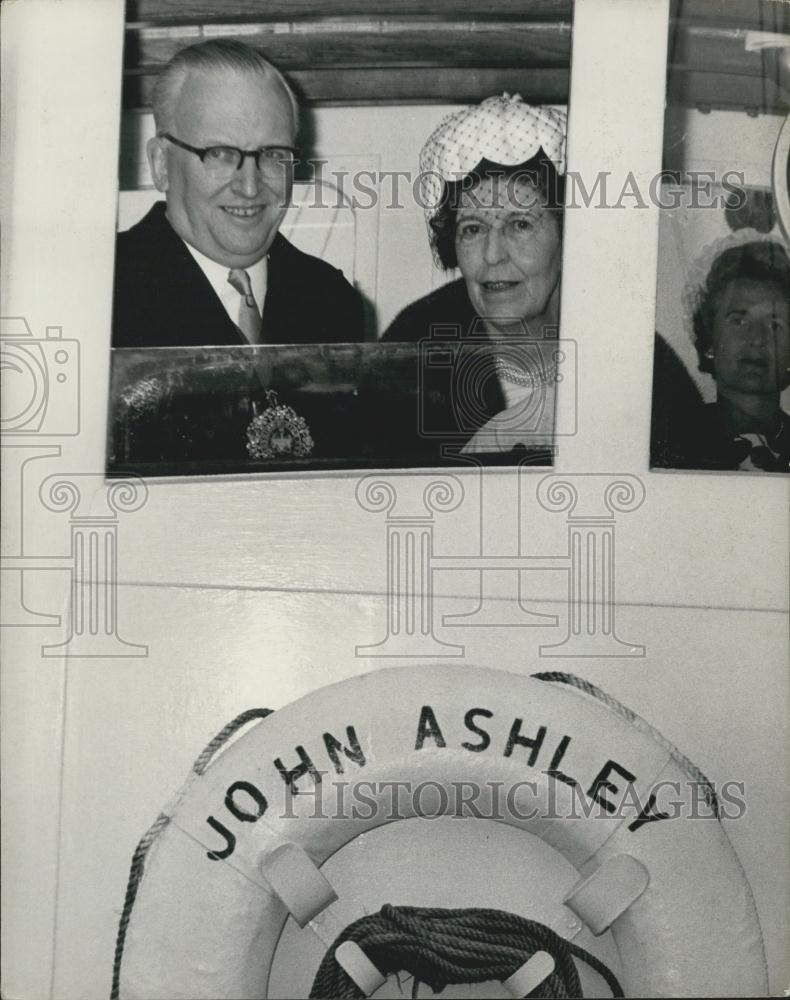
column 209, row 907
column 780, row 174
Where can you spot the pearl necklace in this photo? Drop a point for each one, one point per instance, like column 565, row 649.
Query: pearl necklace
column 531, row 378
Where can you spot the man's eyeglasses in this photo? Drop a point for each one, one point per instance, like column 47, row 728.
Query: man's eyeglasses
column 226, row 160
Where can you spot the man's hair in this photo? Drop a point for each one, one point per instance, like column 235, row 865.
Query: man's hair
column 540, row 172
column 208, row 57
column 765, row 261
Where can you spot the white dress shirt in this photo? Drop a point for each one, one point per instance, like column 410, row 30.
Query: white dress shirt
column 217, row 275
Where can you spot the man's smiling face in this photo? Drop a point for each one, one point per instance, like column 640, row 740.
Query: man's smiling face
column 234, row 218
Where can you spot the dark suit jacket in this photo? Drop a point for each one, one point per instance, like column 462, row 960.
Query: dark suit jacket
column 163, row 299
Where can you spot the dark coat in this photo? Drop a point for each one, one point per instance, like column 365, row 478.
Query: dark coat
column 438, row 316
column 708, row 443
column 163, row 299
column 676, row 400
column 447, row 420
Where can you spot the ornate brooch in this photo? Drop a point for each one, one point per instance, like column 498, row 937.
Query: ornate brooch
column 278, row 432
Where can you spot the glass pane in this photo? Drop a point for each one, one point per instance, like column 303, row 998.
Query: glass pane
column 722, row 362
column 350, row 354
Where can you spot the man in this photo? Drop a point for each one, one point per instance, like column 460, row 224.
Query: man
column 208, row 266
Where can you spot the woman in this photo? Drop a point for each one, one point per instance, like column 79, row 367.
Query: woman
column 740, row 310
column 493, row 187
column 493, row 190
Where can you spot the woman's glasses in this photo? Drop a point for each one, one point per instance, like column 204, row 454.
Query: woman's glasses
column 518, row 230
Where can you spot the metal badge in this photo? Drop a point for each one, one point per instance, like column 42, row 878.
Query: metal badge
column 278, row 432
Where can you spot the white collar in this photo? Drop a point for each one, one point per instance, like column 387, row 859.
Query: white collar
column 217, row 275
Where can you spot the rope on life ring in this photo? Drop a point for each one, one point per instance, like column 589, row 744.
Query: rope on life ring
column 683, row 762
column 137, row 867
column 442, row 947
column 272, row 860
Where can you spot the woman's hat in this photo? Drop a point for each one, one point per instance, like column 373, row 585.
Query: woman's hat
column 697, row 274
column 503, row 129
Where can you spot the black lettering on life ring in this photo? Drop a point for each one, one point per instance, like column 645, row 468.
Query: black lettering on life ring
column 485, row 739
column 601, row 784
column 353, row 751
column 257, row 797
column 648, row 815
column 428, row 728
column 291, row 775
column 241, row 814
column 553, row 769
column 515, row 738
column 230, row 841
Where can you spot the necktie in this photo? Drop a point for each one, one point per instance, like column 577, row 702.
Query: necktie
column 249, row 321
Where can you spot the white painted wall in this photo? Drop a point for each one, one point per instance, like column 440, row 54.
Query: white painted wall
column 252, row 591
